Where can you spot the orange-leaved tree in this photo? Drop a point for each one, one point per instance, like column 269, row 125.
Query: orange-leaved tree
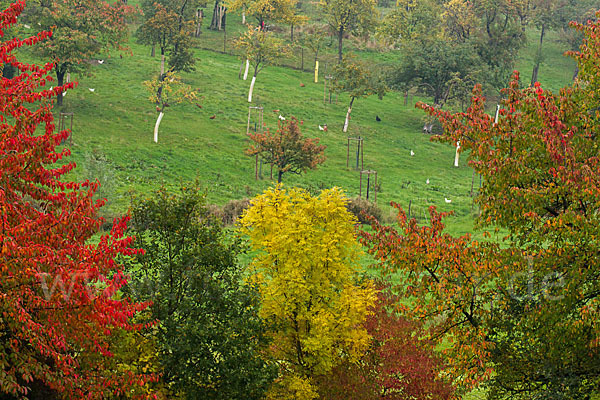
column 522, row 314
column 287, row 149
column 398, row 365
column 58, row 290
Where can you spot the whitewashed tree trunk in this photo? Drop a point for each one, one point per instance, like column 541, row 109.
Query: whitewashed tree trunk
column 251, row 89
column 457, row 154
column 316, row 71
column 347, row 119
column 246, row 71
column 497, row 114
column 160, row 117
column 348, row 114
column 243, row 17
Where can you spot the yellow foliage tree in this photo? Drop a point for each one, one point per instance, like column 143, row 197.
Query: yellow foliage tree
column 307, row 272
column 265, row 10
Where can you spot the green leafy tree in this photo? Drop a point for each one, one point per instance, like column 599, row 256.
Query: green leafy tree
column 81, row 29
column 209, row 336
column 171, row 25
column 358, row 80
column 349, row 17
column 265, row 11
column 260, row 48
column 411, row 20
column 307, row 273
column 439, row 69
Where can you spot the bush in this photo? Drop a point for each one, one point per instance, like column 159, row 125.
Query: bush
column 363, row 209
column 230, row 212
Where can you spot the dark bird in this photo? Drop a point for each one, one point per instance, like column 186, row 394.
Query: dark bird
column 377, row 118
column 198, row 105
column 213, row 117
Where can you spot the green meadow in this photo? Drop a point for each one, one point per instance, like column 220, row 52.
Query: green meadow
column 113, row 127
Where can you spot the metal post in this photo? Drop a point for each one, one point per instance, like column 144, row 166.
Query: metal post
column 348, row 154
column 360, row 186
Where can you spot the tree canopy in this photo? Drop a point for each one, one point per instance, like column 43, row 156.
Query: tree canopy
column 59, row 305
column 307, row 274
column 81, row 30
column 520, row 314
column 210, row 336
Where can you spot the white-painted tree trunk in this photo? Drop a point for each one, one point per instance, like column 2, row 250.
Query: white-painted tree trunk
column 251, row 89
column 347, row 119
column 457, row 154
column 246, row 71
column 497, row 114
column 160, row 117
column 317, row 71
column 243, row 17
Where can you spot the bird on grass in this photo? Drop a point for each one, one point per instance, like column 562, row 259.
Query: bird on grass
column 213, row 117
column 448, row 201
column 92, row 90
column 281, row 117
column 427, row 181
column 377, row 118
column 100, row 61
column 412, row 153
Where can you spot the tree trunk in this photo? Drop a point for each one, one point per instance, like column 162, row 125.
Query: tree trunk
column 316, row 71
column 246, row 71
column 292, row 33
column 279, row 176
column 153, row 53
column 217, row 22
column 340, row 39
column 60, row 79
column 243, row 18
column 538, row 58
column 457, row 154
column 348, row 115
column 160, row 117
column 251, row 88
column 199, row 18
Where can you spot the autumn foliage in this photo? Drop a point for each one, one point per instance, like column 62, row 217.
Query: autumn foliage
column 58, row 292
column 306, row 269
column 521, row 315
column 398, row 365
column 287, row 149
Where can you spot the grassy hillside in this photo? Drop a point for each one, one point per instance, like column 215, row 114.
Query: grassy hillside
column 113, row 133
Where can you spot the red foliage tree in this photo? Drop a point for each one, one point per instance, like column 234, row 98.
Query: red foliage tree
column 57, row 291
column 287, row 149
column 398, row 365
